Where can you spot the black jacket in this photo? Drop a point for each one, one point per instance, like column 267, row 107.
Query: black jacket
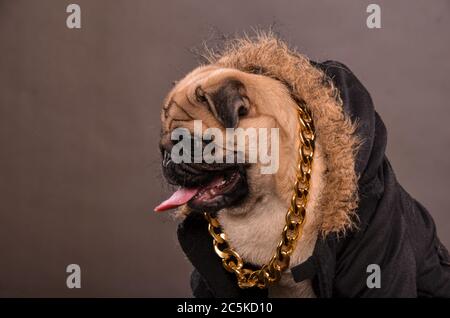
column 394, row 231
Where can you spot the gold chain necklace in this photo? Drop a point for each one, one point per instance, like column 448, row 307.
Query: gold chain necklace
column 295, row 217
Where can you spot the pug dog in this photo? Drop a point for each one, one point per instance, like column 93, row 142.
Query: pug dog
column 356, row 213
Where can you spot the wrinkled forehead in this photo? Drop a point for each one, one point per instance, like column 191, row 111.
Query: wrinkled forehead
column 204, row 75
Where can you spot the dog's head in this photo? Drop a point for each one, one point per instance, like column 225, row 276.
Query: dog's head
column 262, row 112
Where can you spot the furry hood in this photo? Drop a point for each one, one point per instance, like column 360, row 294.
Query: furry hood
column 336, row 129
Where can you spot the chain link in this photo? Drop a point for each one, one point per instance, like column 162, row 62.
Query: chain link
column 295, row 218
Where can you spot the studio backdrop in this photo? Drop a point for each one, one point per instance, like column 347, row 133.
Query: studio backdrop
column 79, row 124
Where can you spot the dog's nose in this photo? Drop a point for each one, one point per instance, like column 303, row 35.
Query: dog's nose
column 165, row 144
column 166, row 158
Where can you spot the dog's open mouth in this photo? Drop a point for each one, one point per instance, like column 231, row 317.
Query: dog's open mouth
column 224, row 189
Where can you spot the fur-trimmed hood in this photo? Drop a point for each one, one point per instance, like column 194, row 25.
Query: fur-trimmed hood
column 335, row 130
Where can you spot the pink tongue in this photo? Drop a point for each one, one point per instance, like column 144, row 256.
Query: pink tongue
column 180, row 197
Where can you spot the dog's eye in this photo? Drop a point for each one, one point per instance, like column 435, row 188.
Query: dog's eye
column 200, row 95
column 242, row 111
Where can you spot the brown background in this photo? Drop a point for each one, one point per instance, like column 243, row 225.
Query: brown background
column 79, row 166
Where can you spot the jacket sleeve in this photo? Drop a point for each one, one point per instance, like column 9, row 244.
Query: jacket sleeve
column 199, row 287
column 433, row 261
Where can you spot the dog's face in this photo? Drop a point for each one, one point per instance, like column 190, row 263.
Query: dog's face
column 224, row 98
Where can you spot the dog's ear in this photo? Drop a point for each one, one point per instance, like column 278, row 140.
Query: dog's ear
column 229, row 102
